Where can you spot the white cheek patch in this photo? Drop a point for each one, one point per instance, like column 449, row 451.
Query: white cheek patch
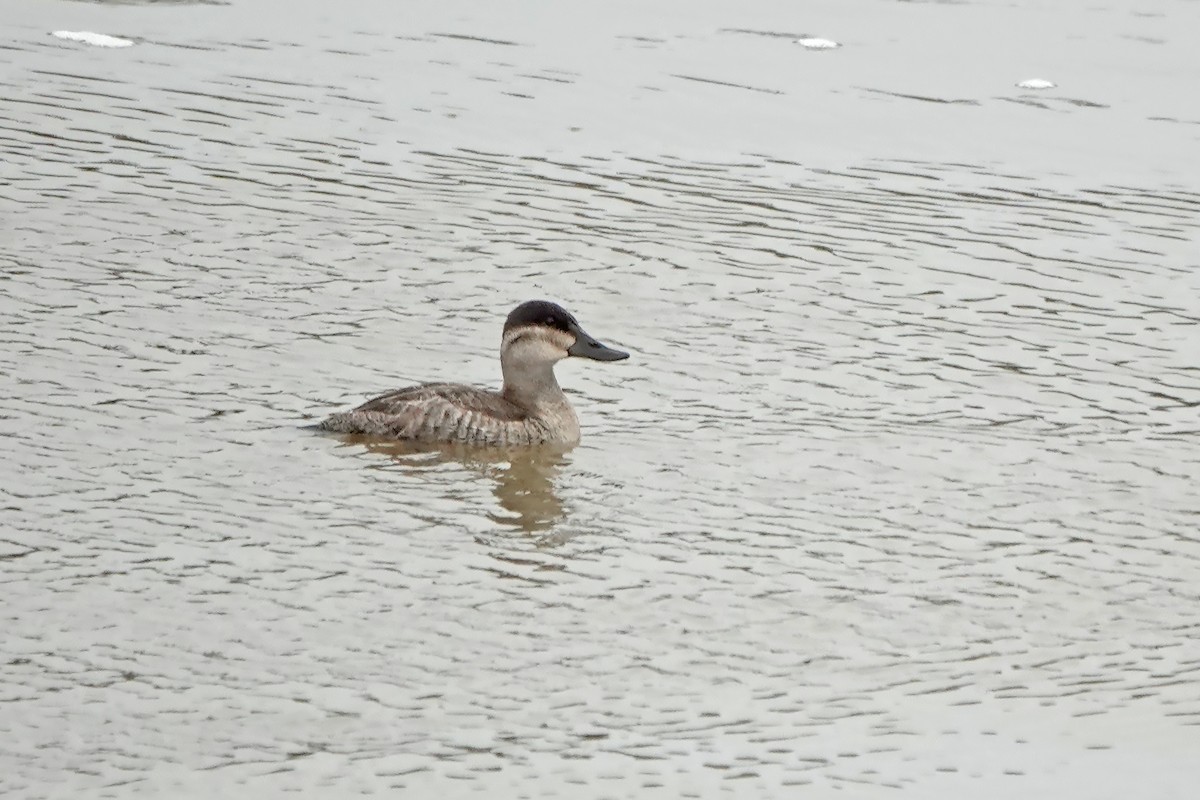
column 543, row 349
column 537, row 344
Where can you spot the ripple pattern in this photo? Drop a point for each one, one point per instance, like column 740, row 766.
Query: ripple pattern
column 896, row 496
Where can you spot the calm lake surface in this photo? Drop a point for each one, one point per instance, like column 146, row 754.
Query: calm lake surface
column 897, row 496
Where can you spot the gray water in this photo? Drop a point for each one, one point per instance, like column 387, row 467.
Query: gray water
column 896, row 497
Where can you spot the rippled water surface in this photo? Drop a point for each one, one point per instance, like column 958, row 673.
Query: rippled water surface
column 896, row 497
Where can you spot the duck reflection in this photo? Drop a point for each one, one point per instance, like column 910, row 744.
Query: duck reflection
column 524, row 477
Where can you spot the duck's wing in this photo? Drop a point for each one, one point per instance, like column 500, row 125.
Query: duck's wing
column 444, row 395
column 435, row 411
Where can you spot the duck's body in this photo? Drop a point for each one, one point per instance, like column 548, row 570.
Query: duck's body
column 452, row 412
column 530, row 409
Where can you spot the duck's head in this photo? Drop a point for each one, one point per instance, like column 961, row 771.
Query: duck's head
column 539, row 330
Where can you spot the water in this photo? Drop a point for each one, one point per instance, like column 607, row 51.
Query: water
column 895, row 498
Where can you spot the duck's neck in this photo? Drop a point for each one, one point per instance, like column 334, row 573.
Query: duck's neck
column 531, row 385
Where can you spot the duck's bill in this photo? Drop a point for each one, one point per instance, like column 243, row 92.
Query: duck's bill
column 587, row 347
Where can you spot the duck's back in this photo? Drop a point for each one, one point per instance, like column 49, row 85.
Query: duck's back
column 442, row 412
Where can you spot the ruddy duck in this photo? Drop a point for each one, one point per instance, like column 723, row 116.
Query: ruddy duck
column 529, row 409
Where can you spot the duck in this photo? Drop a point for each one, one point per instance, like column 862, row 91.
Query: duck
column 529, row 409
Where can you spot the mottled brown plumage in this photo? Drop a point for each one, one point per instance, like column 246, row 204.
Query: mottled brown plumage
column 443, row 412
column 530, row 409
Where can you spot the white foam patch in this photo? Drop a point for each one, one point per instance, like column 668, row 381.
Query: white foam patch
column 817, row 44
column 1036, row 83
column 94, row 39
